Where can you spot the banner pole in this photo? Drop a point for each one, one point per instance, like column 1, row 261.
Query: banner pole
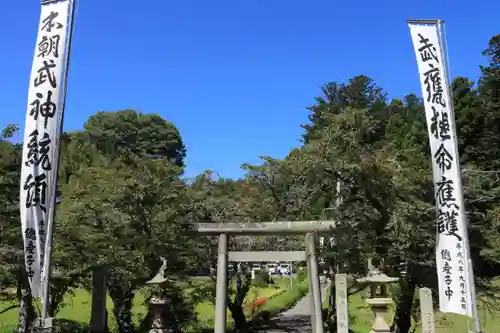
column 49, row 235
column 418, row 21
column 472, row 285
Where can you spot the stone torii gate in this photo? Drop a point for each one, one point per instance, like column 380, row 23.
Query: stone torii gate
column 224, row 230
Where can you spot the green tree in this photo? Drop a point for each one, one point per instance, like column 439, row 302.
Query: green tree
column 12, row 271
column 147, row 136
column 123, row 214
column 482, row 164
column 220, row 200
column 360, row 93
column 386, row 190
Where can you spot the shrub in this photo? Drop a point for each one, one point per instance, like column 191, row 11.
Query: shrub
column 261, row 278
column 301, row 274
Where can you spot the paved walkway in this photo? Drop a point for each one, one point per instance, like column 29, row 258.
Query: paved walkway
column 297, row 319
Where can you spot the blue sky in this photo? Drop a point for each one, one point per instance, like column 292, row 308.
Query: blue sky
column 233, row 76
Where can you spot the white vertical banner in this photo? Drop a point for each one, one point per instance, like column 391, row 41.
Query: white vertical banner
column 40, row 155
column 451, row 251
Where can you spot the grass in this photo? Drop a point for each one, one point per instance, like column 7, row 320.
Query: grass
column 451, row 323
column 361, row 318
column 77, row 307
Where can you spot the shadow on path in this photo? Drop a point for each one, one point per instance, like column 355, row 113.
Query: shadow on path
column 285, row 323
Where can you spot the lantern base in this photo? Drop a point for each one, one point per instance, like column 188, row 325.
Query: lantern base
column 380, row 307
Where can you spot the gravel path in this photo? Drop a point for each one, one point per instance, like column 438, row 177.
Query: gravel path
column 297, row 319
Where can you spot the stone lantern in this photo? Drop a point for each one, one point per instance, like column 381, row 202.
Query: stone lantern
column 159, row 304
column 379, row 300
